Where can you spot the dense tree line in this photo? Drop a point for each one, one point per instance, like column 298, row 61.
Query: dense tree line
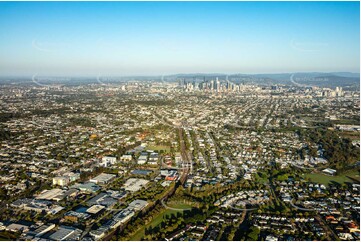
column 81, row 121
column 339, row 151
column 4, row 117
column 5, row 134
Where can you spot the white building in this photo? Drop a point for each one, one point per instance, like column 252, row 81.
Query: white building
column 108, row 161
column 134, row 184
column 53, row 194
column 137, row 205
column 61, row 181
column 103, row 178
column 65, row 179
column 142, row 159
column 329, row 171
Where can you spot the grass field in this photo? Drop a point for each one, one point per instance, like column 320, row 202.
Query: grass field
column 341, row 178
column 347, row 121
column 158, row 219
column 353, row 135
column 6, row 236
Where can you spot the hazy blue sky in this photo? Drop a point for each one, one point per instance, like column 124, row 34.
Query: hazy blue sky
column 125, row 38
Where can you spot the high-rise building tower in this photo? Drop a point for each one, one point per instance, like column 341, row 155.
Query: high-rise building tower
column 339, row 92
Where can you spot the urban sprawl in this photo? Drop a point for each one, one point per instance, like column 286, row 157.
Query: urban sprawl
column 179, row 160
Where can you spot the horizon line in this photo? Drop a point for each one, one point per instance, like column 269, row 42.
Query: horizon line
column 177, row 74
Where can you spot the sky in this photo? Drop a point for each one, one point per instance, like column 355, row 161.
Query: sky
column 161, row 38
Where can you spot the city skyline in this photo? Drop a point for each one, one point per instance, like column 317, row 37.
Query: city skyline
column 213, row 159
column 180, row 121
column 148, row 38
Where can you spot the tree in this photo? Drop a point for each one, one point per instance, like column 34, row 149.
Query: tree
column 254, row 233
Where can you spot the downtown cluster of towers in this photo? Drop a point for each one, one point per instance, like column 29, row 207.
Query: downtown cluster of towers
column 214, row 86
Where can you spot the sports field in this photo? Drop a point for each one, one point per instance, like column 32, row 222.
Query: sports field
column 341, row 178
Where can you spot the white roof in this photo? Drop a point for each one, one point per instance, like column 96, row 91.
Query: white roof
column 95, row 209
column 50, row 194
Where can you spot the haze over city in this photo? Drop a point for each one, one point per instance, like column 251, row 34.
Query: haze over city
column 160, row 38
column 179, row 121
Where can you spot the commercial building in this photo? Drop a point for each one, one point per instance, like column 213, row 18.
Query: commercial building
column 14, row 227
column 41, row 230
column 103, row 199
column 65, row 179
column 53, row 194
column 99, row 233
column 95, row 209
column 89, row 187
column 61, row 181
column 103, row 178
column 66, row 233
column 134, row 184
column 32, row 205
column 142, row 172
column 75, row 217
column 137, row 205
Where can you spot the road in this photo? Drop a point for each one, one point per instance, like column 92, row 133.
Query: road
column 185, row 157
column 331, row 236
column 183, row 177
column 295, row 83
